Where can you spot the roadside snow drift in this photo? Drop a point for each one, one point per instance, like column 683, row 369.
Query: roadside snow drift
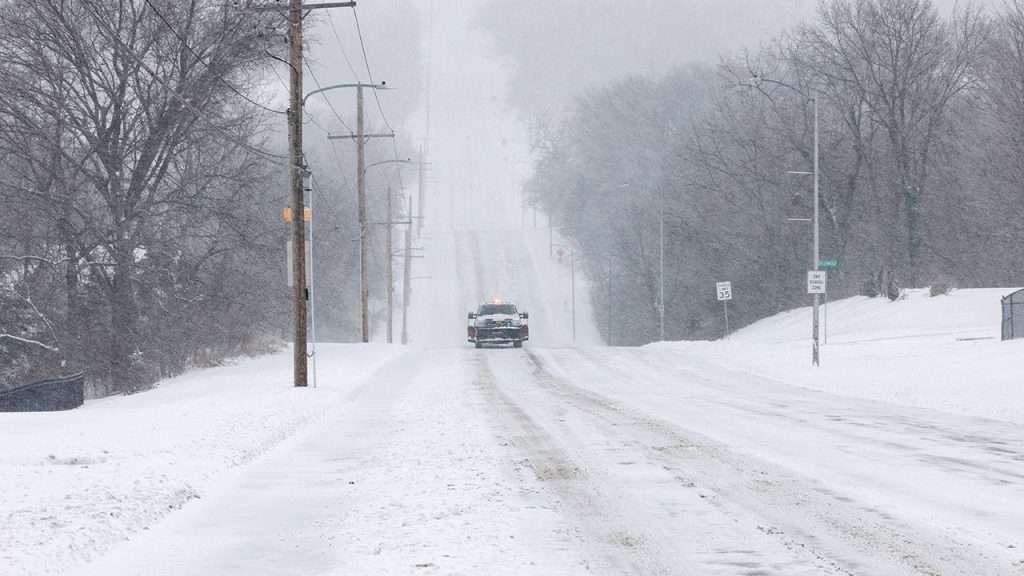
column 72, row 484
column 941, row 353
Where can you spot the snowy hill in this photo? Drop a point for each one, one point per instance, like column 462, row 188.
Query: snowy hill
column 941, row 353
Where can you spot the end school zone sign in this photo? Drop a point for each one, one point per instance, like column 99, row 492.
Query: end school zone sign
column 817, row 282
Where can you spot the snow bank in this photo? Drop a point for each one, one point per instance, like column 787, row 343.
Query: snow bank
column 940, row 353
column 74, row 483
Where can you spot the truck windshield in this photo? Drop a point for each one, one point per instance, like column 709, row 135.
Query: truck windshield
column 489, row 309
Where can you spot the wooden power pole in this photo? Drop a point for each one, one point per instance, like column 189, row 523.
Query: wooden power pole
column 299, row 292
column 364, row 274
column 390, row 274
column 407, row 280
column 361, row 137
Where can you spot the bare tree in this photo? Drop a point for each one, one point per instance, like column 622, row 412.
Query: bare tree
column 906, row 65
column 128, row 123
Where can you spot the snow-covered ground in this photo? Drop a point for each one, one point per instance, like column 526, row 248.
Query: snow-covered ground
column 942, row 353
column 667, row 459
column 74, row 483
column 901, row 454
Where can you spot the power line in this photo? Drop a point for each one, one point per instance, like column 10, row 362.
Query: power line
column 376, row 97
column 369, row 72
column 279, row 79
column 199, row 59
column 313, row 121
column 344, row 177
column 342, row 47
column 318, row 191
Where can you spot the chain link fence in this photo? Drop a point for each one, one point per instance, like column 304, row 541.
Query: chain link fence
column 1013, row 315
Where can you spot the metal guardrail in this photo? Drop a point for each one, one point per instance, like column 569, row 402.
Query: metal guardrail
column 63, row 393
column 1013, row 303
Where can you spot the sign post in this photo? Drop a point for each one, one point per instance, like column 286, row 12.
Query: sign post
column 817, row 284
column 827, row 263
column 724, row 290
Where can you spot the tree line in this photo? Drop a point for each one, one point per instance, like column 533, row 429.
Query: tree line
column 920, row 119
column 142, row 177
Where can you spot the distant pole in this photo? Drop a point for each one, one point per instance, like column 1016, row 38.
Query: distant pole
column 422, row 189
column 390, row 279
column 312, row 287
column 360, row 137
column 572, row 257
column 515, row 189
column 572, row 273
column 661, row 274
column 609, row 299
column 513, row 175
column 364, row 278
column 407, row 281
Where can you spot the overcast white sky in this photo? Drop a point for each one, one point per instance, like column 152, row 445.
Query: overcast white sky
column 547, row 49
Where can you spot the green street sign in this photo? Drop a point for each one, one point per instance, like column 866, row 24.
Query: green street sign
column 823, row 263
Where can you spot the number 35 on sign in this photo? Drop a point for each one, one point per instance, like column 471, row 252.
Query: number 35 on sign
column 724, row 290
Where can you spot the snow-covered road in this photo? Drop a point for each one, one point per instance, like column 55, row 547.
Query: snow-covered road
column 576, row 461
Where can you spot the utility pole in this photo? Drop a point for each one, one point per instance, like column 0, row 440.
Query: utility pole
column 661, row 258
column 299, row 291
column 515, row 189
column 300, row 294
column 364, row 284
column 361, row 137
column 407, row 280
column 422, row 193
column 813, row 98
column 390, row 279
column 609, row 299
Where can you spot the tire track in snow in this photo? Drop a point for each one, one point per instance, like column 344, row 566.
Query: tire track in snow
column 845, row 537
column 927, row 436
column 615, row 548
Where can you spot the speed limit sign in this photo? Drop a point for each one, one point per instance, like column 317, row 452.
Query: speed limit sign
column 724, row 290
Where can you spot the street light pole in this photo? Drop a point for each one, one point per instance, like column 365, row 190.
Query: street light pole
column 814, row 100
column 360, row 137
column 572, row 269
column 814, row 353
column 661, row 274
column 364, row 285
